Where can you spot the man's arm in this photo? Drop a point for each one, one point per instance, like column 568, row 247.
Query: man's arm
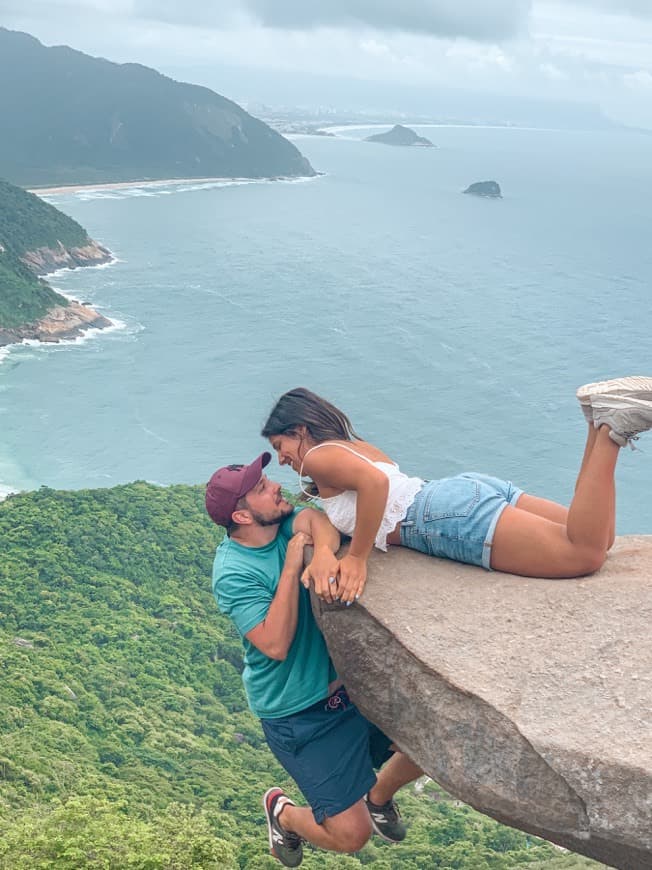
column 324, row 566
column 274, row 635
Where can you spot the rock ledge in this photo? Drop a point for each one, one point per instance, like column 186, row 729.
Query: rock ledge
column 44, row 260
column 60, row 323
column 529, row 699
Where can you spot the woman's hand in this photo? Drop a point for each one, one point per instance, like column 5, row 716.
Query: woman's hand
column 323, row 569
column 353, row 576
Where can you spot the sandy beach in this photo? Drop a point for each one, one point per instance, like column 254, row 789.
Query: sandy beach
column 118, row 185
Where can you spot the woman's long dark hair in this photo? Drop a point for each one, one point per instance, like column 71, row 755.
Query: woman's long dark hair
column 323, row 421
column 301, row 407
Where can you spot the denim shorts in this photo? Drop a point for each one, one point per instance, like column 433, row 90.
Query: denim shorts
column 330, row 750
column 456, row 517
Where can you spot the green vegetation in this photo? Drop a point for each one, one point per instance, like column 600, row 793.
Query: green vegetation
column 28, row 223
column 125, row 740
column 73, row 119
column 23, row 297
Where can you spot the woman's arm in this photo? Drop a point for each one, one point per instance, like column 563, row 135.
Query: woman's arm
column 324, row 566
column 335, row 468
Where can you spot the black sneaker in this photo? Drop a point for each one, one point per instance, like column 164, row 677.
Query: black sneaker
column 386, row 821
column 284, row 845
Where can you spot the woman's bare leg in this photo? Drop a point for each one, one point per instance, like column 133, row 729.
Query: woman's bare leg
column 538, row 546
column 588, row 450
column 558, row 513
column 590, row 443
column 543, row 507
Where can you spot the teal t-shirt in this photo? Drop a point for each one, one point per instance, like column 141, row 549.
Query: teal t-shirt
column 244, row 585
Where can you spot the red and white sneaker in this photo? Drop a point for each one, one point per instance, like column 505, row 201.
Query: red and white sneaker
column 285, row 846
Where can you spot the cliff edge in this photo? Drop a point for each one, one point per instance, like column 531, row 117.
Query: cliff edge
column 529, row 699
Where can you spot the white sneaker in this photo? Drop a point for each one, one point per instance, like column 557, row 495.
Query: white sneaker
column 625, row 416
column 635, row 386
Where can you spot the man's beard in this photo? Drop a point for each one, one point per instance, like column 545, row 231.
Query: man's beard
column 273, row 520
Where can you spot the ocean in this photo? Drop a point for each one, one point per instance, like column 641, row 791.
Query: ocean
column 453, row 330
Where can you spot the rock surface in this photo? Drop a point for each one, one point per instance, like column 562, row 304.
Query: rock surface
column 44, row 260
column 489, row 189
column 529, row 699
column 61, row 322
column 400, row 135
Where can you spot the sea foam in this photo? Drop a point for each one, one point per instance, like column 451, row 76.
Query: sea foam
column 84, row 335
column 125, row 190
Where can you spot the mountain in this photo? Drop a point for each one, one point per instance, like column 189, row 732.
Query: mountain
column 125, row 738
column 400, row 135
column 69, row 118
column 35, row 238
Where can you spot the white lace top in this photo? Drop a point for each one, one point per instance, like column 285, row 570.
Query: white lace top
column 341, row 508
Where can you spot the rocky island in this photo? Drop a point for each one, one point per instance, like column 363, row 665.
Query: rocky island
column 490, row 189
column 401, row 136
column 36, row 238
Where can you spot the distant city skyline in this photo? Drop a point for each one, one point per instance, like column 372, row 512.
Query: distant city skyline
column 380, row 55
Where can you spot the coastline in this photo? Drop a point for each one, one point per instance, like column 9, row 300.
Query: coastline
column 61, row 322
column 119, row 185
column 47, row 261
column 342, row 128
column 160, row 182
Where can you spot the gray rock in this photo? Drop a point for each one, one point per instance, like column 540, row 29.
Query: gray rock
column 529, row 699
column 490, row 189
column 26, row 644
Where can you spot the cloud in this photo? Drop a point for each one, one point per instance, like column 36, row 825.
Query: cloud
column 639, row 81
column 480, row 60
column 479, row 20
column 51, row 9
column 474, row 19
column 553, row 72
column 637, row 8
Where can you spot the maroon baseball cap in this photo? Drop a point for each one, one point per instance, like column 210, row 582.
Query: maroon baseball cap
column 229, row 484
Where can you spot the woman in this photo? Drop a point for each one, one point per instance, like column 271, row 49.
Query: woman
column 471, row 518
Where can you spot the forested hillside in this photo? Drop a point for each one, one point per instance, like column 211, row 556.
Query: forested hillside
column 70, row 118
column 23, row 297
column 27, row 223
column 36, row 238
column 125, row 740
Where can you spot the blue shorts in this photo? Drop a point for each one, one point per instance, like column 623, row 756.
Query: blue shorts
column 330, row 750
column 456, row 517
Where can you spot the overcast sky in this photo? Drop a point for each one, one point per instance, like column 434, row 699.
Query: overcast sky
column 598, row 51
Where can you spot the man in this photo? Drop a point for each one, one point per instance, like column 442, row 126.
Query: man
column 310, row 723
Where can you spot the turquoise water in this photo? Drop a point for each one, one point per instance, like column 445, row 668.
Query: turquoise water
column 453, row 330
